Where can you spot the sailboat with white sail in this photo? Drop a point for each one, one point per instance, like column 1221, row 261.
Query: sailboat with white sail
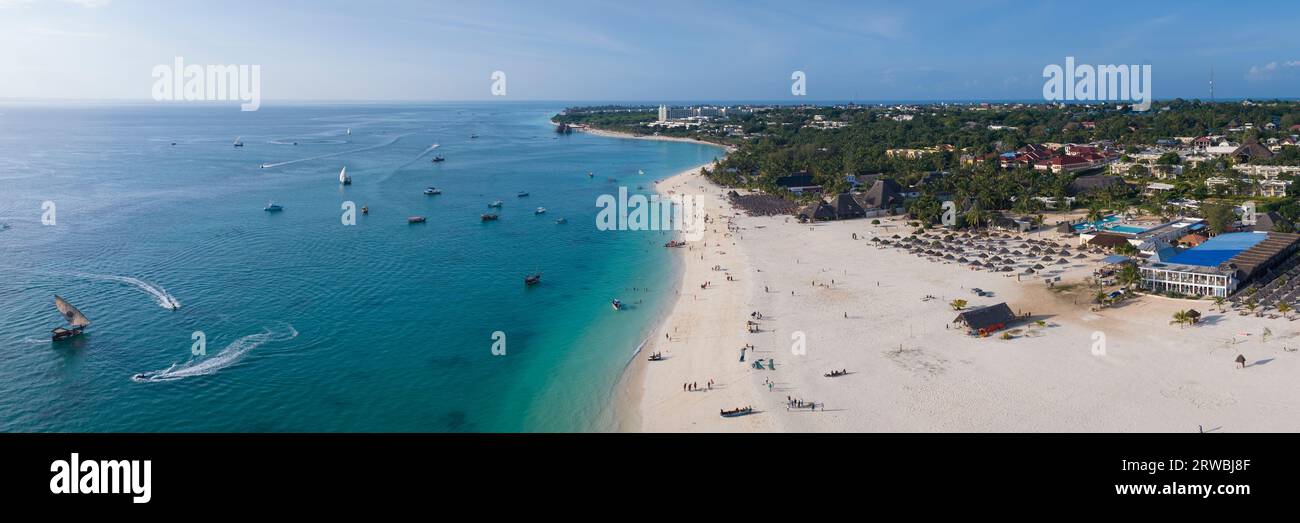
column 344, row 178
column 77, row 321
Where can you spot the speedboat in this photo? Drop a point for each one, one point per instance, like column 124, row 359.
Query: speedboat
column 415, row 219
column 273, row 207
column 561, row 221
column 438, row 158
column 618, row 305
column 522, row 194
column 473, row 136
column 540, row 210
column 533, row 279
column 497, row 204
column 365, row 209
column 432, row 191
column 488, row 217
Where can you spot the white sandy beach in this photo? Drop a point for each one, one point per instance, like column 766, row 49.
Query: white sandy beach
column 908, row 372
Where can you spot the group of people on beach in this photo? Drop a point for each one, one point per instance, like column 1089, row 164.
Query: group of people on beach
column 796, row 403
column 695, row 386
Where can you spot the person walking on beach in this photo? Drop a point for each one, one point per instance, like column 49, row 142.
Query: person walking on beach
column 1241, row 361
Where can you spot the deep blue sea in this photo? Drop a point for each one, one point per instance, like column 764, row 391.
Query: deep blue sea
column 310, row 324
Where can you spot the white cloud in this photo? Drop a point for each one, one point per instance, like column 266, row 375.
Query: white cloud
column 46, row 31
column 1258, row 73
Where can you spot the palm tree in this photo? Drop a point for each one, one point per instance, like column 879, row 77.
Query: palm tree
column 1129, row 276
column 1218, row 302
column 958, row 304
column 1181, row 318
column 1251, row 305
column 1100, row 297
column 1285, row 309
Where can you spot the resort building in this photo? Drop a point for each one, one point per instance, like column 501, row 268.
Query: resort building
column 1220, row 265
column 1110, row 232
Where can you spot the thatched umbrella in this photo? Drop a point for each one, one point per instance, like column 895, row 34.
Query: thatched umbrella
column 1046, row 258
column 1062, row 261
column 1080, row 255
column 963, row 260
column 1029, row 271
column 1039, row 266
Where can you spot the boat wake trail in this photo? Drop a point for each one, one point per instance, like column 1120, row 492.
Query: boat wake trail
column 390, row 141
column 227, row 357
column 159, row 294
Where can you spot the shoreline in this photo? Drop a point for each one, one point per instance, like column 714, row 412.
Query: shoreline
column 698, row 335
column 618, row 134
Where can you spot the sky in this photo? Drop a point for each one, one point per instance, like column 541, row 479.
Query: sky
column 629, row 50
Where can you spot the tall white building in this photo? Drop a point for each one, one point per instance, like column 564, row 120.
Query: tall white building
column 663, row 113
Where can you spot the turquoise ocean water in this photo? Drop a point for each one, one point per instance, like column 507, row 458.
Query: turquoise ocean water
column 312, row 325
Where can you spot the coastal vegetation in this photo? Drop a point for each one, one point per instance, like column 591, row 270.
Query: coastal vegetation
column 836, row 144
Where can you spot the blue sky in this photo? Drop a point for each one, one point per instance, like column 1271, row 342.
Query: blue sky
column 649, row 51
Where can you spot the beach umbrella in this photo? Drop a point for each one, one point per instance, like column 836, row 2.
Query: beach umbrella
column 1080, row 255
column 947, row 257
column 1039, row 266
column 963, row 260
column 1008, row 268
column 1062, row 261
column 1046, row 258
column 1029, row 271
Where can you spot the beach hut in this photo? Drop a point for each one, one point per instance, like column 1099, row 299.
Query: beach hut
column 986, row 320
column 1194, row 314
column 816, row 212
column 846, row 207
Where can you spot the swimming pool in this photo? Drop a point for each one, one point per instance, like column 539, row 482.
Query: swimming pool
column 1099, row 224
column 1130, row 229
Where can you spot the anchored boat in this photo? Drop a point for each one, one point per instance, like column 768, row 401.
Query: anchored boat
column 344, row 178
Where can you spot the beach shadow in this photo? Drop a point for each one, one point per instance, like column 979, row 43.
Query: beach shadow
column 1265, row 361
column 1211, row 320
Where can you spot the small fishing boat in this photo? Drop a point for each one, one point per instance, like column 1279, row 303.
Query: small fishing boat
column 415, row 219
column 473, row 136
column 239, row 142
column 432, row 191
column 639, row 171
column 77, row 321
column 522, row 194
column 590, row 174
column 488, row 217
column 497, row 204
column 618, row 305
column 438, row 158
column 737, row 412
column 273, row 207
column 344, row 178
column 540, row 210
column 533, row 279
column 561, row 221
column 365, row 209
